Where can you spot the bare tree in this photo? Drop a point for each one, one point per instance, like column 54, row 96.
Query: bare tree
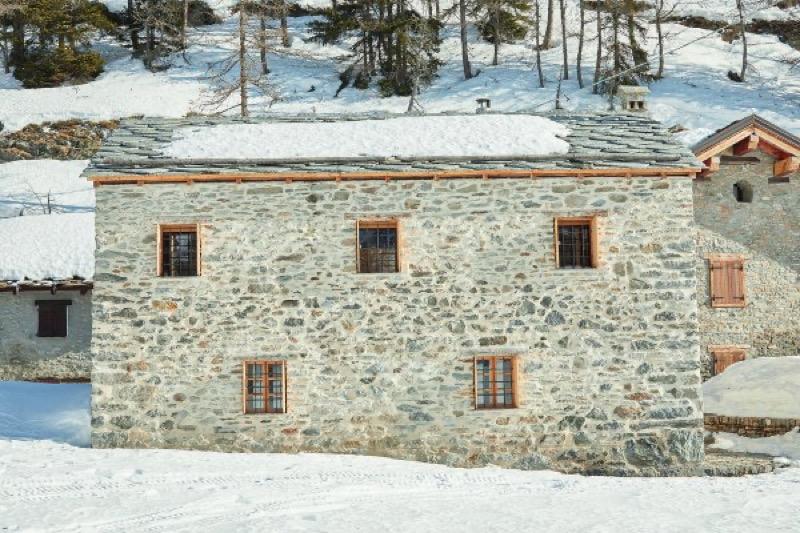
column 662, row 12
column 580, row 43
column 548, row 31
column 598, row 61
column 563, row 10
column 743, row 31
column 462, row 20
column 536, row 42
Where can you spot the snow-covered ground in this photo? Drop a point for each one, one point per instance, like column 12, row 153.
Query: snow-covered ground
column 56, row 487
column 786, row 445
column 764, row 386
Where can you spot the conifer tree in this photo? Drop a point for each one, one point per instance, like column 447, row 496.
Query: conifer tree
column 501, row 21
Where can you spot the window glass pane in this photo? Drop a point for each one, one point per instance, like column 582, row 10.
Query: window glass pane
column 574, row 245
column 179, row 253
column 377, row 250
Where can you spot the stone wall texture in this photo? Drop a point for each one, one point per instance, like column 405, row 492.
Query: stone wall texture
column 750, row 426
column 381, row 364
column 767, row 233
column 24, row 356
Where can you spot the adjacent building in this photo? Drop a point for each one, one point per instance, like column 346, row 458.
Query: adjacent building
column 509, row 289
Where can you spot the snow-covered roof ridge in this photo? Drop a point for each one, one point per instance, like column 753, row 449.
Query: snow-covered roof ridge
column 595, row 140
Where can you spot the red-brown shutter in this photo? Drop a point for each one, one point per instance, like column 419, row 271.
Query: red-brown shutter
column 725, row 357
column 727, row 282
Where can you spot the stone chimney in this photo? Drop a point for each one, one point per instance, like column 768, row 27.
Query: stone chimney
column 632, row 98
column 484, row 105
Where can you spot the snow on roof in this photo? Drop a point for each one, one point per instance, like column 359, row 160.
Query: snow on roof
column 57, row 246
column 765, row 387
column 484, row 135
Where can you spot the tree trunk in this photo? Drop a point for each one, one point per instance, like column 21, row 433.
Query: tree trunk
column 617, row 57
column 6, row 61
column 660, row 37
column 284, row 24
column 742, row 29
column 599, row 57
column 563, row 9
column 548, row 31
column 580, row 45
column 184, row 23
column 496, row 32
column 536, row 30
column 242, row 63
column 134, row 25
column 462, row 19
column 18, row 51
column 438, row 10
column 262, row 43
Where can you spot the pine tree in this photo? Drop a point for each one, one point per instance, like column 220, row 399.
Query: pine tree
column 625, row 59
column 501, row 21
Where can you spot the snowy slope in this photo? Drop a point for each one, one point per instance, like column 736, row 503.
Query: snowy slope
column 765, row 386
column 25, row 186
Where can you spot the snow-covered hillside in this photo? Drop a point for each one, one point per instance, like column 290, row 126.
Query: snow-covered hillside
column 695, row 92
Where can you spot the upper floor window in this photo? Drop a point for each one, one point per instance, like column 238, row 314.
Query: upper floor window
column 743, row 192
column 496, row 382
column 178, row 250
column 378, row 246
column 52, row 318
column 264, row 387
column 726, row 275
column 576, row 242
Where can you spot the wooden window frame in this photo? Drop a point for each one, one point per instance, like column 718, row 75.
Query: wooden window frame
column 515, row 381
column 716, row 265
column 385, row 223
column 54, row 303
column 594, row 241
column 732, row 350
column 161, row 229
column 265, row 373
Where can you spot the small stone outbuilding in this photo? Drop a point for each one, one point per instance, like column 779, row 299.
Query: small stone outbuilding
column 527, row 310
column 747, row 216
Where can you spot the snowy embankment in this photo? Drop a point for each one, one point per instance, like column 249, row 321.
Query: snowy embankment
column 47, row 486
column 406, row 137
column 54, row 237
column 763, row 387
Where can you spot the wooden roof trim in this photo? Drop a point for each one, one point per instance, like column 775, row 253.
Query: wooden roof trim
column 656, row 172
column 53, row 286
column 763, row 134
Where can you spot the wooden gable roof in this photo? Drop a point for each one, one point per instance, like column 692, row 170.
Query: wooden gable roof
column 747, row 135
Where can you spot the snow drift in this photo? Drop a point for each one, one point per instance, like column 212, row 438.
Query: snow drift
column 403, row 137
column 765, row 386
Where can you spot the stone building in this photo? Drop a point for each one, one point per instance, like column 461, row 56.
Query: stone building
column 747, row 213
column 530, row 309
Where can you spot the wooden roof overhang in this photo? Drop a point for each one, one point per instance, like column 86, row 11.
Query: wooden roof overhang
column 633, row 172
column 748, row 135
column 52, row 286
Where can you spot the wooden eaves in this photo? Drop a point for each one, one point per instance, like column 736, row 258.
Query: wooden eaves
column 52, row 286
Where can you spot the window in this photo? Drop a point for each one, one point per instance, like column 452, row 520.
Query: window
column 264, row 387
column 726, row 281
column 743, row 192
column 378, row 247
column 576, row 242
column 725, row 356
column 179, row 250
column 495, row 382
column 52, row 318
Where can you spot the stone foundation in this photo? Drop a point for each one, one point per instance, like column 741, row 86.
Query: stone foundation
column 750, row 426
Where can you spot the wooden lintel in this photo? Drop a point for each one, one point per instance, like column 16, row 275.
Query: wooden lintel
column 652, row 172
column 189, row 182
column 747, row 145
column 711, row 166
column 238, row 181
column 784, row 167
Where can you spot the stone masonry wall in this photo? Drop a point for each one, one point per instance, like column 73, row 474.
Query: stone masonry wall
column 381, row 364
column 24, row 356
column 767, row 233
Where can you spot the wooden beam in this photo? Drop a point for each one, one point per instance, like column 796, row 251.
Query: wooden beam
column 784, row 167
column 771, row 150
column 746, row 145
column 649, row 172
column 712, row 165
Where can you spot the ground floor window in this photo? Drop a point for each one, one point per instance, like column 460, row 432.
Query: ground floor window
column 265, row 386
column 52, row 318
column 496, row 382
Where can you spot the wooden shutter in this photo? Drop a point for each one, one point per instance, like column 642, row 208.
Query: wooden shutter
column 726, row 276
column 725, row 357
column 52, row 318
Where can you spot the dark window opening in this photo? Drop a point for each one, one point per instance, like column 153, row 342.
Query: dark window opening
column 265, row 387
column 178, row 253
column 52, row 318
column 575, row 244
column 743, row 192
column 377, row 248
column 495, row 383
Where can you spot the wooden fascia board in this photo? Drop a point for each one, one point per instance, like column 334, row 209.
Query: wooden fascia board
column 655, row 172
column 763, row 135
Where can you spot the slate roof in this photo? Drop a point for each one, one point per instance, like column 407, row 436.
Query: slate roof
column 746, row 122
column 597, row 140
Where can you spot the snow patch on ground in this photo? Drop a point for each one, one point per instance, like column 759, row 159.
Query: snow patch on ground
column 786, row 445
column 44, row 411
column 406, row 137
column 57, row 246
column 25, row 186
column 764, row 386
